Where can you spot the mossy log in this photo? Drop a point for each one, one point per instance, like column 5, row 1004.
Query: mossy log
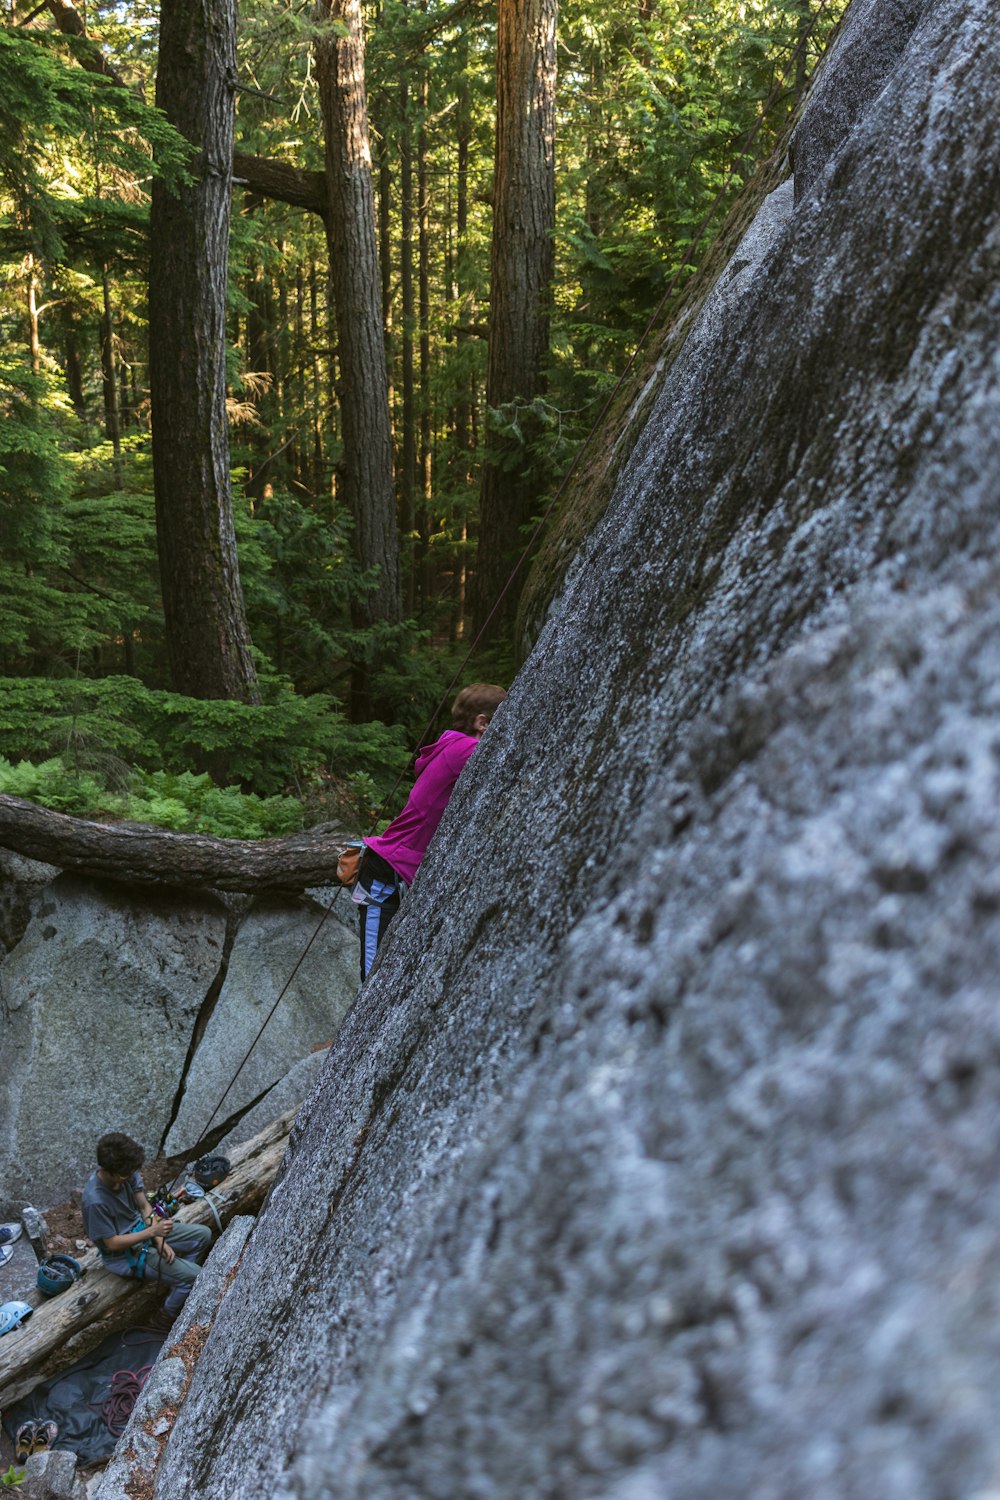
column 65, row 1328
column 141, row 855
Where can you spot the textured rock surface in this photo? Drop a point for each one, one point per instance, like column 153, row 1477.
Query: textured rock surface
column 271, row 941
column 21, row 883
column 288, row 1093
column 100, row 999
column 872, row 46
column 158, row 995
column 659, row 1155
column 140, row 1448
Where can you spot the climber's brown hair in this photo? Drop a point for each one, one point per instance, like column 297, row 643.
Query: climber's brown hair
column 478, row 698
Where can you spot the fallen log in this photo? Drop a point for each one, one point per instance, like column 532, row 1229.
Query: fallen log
column 138, row 854
column 64, row 1328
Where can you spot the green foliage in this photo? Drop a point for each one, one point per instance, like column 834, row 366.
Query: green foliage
column 114, row 724
column 653, row 105
column 34, row 482
column 12, row 1476
column 50, row 111
column 183, row 802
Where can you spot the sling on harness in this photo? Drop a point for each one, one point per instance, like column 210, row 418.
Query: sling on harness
column 136, row 1254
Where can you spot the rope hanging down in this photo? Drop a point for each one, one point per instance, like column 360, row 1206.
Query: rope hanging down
column 743, row 151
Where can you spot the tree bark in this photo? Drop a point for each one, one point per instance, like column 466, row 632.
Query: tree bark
column 366, row 477
column 521, row 277
column 109, row 379
column 265, row 178
column 207, row 636
column 136, row 854
column 408, row 445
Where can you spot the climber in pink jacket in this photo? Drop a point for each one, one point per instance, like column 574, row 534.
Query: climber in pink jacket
column 391, row 859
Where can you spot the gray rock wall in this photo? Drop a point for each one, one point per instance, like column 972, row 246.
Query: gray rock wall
column 659, row 1154
column 132, row 1011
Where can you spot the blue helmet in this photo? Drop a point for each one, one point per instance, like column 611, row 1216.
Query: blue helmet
column 12, row 1314
column 56, row 1273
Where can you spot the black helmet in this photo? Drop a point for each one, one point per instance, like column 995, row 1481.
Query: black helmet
column 210, row 1170
column 56, row 1273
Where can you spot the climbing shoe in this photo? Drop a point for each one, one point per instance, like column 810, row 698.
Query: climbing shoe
column 44, row 1436
column 24, row 1437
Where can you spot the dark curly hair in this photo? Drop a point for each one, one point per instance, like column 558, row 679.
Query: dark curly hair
column 119, row 1154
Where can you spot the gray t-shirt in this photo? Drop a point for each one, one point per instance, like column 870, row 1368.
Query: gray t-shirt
column 106, row 1213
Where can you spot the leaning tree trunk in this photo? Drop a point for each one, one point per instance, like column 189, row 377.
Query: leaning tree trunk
column 207, row 637
column 521, row 278
column 366, row 475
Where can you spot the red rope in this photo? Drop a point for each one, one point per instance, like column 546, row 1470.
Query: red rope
column 116, row 1409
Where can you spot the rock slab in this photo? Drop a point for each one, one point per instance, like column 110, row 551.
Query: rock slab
column 659, row 1155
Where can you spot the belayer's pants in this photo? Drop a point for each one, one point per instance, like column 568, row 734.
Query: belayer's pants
column 378, row 894
column 190, row 1243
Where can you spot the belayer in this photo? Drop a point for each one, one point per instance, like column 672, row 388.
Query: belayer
column 391, row 859
column 133, row 1241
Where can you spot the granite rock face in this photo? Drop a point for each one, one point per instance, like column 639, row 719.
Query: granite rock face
column 100, row 998
column 132, row 1011
column 292, row 951
column 659, row 1155
column 22, row 882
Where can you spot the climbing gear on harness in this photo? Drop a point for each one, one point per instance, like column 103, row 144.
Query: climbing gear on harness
column 12, row 1314
column 210, row 1170
column 56, row 1273
column 136, row 1254
column 164, row 1205
column 349, row 864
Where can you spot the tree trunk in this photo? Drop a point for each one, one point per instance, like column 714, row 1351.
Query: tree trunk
column 138, row 855
column 109, row 379
column 208, row 641
column 408, row 455
column 366, row 477
column 424, row 305
column 521, row 276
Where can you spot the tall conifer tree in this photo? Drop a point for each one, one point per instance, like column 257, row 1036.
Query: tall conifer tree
column 207, row 634
column 366, row 479
column 521, row 279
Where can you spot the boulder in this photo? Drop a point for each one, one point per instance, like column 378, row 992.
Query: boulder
column 659, row 1154
column 22, row 882
column 101, row 997
column 305, row 952
column 288, row 1093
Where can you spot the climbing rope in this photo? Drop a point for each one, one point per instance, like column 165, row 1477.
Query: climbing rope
column 777, row 91
column 117, row 1407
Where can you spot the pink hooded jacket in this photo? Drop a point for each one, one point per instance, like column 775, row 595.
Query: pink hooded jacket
column 404, row 843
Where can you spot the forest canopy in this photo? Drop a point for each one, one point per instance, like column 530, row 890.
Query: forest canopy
column 298, row 340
